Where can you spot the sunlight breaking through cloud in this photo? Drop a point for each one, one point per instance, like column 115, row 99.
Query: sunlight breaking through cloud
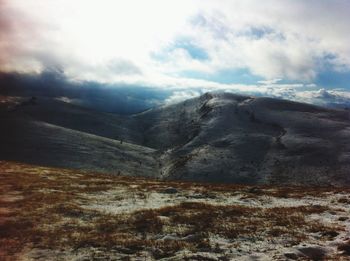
column 166, row 44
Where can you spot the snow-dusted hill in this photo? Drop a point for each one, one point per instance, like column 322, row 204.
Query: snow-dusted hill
column 230, row 138
column 218, row 137
column 52, row 133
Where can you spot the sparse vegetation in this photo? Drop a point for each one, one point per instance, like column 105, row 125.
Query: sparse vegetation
column 46, row 208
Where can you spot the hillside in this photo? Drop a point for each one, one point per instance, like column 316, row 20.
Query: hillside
column 52, row 133
column 230, row 138
column 218, row 137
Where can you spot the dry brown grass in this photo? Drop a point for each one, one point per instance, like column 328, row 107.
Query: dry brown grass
column 47, row 213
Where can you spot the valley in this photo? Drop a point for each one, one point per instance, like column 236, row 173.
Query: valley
column 218, row 137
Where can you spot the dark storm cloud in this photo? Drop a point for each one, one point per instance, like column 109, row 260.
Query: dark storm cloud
column 122, row 99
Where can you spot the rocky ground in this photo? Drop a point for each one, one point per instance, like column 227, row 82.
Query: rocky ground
column 60, row 214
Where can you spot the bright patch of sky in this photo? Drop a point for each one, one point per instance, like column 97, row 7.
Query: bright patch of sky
column 226, row 76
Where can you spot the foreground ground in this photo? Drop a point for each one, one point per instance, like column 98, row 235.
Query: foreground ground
column 58, row 214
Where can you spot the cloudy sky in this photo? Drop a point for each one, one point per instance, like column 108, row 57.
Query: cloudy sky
column 293, row 49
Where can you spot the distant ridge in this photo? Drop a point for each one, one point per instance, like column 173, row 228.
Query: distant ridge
column 217, row 137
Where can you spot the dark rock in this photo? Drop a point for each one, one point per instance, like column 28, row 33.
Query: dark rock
column 126, row 250
column 345, row 248
column 330, row 234
column 291, row 256
column 255, row 190
column 343, row 218
column 170, row 191
column 313, row 252
column 158, row 253
column 192, row 238
column 199, row 257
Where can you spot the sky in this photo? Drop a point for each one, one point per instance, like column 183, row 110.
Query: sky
column 292, row 49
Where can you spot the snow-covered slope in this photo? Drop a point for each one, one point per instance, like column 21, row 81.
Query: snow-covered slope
column 224, row 137
column 52, row 133
column 218, row 137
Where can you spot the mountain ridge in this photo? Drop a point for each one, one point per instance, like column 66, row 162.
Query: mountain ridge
column 217, row 137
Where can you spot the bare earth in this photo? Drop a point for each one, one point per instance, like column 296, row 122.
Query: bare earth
column 60, row 214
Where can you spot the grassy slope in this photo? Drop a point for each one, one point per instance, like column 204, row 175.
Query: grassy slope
column 54, row 133
column 53, row 214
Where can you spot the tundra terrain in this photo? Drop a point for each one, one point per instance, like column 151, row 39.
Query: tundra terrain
column 60, row 214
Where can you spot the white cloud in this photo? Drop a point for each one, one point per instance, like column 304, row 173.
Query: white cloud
column 270, row 81
column 336, row 97
column 113, row 40
column 179, row 96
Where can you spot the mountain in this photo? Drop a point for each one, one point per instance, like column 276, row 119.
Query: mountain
column 54, row 133
column 217, row 137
